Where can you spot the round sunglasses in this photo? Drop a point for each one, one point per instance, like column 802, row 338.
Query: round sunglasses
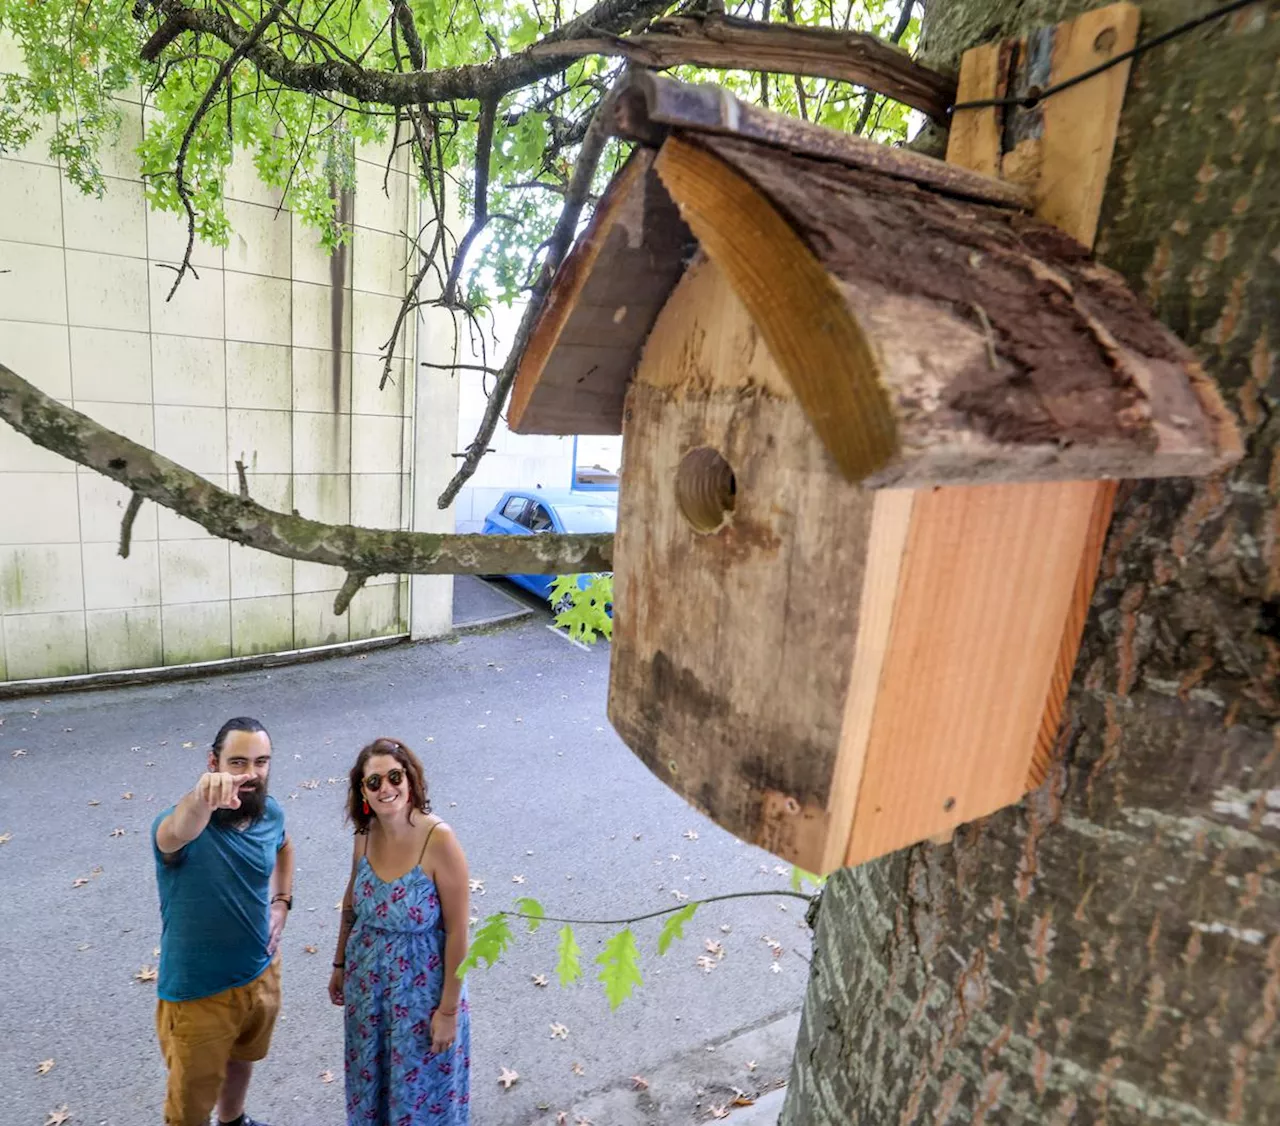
column 373, row 782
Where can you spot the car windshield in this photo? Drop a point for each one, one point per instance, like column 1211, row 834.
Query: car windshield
column 588, row 518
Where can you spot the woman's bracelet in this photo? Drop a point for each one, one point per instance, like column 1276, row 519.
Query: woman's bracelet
column 339, row 965
column 448, row 1012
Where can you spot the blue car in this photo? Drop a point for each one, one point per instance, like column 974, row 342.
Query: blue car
column 527, row 512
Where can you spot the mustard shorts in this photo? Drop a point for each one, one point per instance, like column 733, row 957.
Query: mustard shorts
column 197, row 1038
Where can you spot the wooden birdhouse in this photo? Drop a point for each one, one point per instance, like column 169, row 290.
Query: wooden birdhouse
column 873, row 411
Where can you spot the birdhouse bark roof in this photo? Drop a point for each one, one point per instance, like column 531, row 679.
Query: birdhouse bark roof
column 931, row 330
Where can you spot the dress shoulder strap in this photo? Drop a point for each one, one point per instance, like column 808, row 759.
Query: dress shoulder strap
column 423, row 853
column 364, row 837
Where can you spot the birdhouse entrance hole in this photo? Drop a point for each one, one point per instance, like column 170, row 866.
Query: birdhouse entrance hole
column 705, row 489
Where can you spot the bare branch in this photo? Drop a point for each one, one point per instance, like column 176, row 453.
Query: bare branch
column 244, row 480
column 180, row 164
column 900, row 29
column 350, row 588
column 480, row 218
column 126, row 525
column 725, row 42
column 363, row 551
column 579, row 185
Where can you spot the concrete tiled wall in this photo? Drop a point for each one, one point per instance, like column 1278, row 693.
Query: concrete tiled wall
column 236, row 366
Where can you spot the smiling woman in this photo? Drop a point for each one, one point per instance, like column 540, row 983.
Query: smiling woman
column 403, row 936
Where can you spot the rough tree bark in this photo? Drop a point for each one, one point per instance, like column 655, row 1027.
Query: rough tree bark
column 1109, row 951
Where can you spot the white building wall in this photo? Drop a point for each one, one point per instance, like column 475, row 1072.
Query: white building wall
column 237, row 366
column 523, row 461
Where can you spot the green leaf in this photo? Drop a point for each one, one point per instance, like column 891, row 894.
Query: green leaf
column 586, row 616
column 533, row 908
column 568, row 965
column 620, row 967
column 488, row 943
column 799, row 877
column 673, row 928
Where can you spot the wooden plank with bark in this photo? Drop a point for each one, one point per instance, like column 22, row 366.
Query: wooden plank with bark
column 1000, row 350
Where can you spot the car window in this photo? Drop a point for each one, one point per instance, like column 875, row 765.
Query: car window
column 514, row 508
column 539, row 519
column 588, row 518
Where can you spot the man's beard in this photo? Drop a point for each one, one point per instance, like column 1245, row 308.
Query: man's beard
column 253, row 804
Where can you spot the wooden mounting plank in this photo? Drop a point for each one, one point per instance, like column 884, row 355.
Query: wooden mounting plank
column 985, row 737
column 573, row 375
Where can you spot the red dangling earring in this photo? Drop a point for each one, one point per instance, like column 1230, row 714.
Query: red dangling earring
column 365, row 803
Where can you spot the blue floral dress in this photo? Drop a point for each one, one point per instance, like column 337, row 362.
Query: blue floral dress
column 394, row 977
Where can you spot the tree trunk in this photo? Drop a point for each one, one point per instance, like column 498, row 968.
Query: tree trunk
column 1109, row 951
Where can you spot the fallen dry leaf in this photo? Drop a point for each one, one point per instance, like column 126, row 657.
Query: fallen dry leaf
column 751, row 1065
column 562, row 1118
column 58, row 1116
column 83, row 947
column 117, row 832
column 5, row 838
column 127, row 795
column 19, row 753
column 582, row 1120
column 577, row 1068
column 147, row 973
column 680, row 896
column 706, row 963
column 187, row 746
column 690, row 835
column 311, row 948
column 725, row 928
column 775, row 967
column 517, row 879
column 79, row 881
column 540, row 980
column 44, row 1067
column 156, row 952
column 310, row 784
column 477, row 886
column 639, row 1083
column 507, row 1078
column 719, row 1111
column 95, row 801
column 742, row 1100
column 326, row 1076
column 715, row 948
column 559, row 1032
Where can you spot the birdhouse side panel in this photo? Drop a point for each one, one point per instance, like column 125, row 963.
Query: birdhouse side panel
column 738, row 568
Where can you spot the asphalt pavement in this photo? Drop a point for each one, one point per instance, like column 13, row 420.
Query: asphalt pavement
column 546, row 801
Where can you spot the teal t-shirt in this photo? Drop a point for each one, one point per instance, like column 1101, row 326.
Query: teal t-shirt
column 214, row 909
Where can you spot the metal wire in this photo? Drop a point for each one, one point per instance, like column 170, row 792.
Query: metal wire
column 1027, row 101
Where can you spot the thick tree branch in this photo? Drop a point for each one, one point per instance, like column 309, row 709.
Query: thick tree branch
column 476, row 81
column 725, row 42
column 359, row 551
column 593, row 143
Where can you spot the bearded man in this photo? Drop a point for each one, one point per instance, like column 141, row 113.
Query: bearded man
column 224, row 867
